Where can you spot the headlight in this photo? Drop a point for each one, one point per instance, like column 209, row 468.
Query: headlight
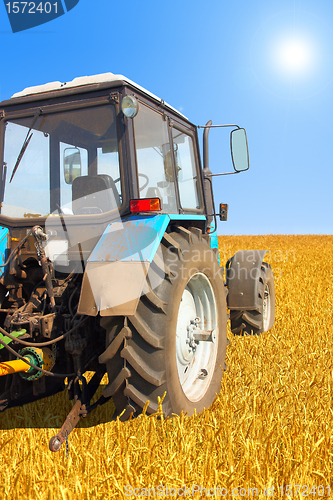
column 130, row 106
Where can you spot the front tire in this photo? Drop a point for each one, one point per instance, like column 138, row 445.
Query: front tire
column 255, row 322
column 163, row 349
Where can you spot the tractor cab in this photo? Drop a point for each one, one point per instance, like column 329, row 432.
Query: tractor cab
column 88, row 148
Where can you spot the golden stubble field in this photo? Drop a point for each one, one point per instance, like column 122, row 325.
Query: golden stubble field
column 270, row 426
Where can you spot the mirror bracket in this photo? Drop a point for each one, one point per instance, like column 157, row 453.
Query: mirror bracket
column 72, row 164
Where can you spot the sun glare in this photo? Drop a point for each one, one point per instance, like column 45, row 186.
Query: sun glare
column 291, row 55
column 294, row 56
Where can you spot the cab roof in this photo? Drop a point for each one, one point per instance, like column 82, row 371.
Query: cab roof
column 81, row 83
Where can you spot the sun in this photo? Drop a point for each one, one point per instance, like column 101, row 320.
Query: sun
column 291, row 55
column 294, row 56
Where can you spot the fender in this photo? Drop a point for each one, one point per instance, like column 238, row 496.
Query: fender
column 243, row 273
column 116, row 271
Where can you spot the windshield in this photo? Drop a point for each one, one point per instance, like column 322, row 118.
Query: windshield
column 68, row 163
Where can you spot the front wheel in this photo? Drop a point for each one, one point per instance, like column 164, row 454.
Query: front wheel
column 254, row 322
column 176, row 341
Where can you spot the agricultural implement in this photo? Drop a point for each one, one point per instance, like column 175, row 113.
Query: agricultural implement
column 109, row 254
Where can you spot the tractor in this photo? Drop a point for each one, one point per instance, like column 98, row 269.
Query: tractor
column 109, row 259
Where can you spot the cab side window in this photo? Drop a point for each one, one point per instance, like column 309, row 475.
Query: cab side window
column 154, row 158
column 186, row 169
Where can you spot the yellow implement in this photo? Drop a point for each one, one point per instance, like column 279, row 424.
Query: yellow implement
column 15, row 366
column 41, row 358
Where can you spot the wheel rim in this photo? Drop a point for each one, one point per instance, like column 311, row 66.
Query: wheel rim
column 196, row 359
column 266, row 313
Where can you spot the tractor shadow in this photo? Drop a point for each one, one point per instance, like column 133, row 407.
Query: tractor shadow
column 51, row 412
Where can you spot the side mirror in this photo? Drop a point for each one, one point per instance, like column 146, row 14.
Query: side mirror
column 72, row 164
column 239, row 150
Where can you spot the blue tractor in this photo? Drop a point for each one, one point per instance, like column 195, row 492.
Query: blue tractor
column 109, row 254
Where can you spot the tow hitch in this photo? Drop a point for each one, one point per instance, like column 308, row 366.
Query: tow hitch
column 80, row 409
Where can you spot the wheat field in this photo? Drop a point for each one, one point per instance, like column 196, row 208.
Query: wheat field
column 270, row 426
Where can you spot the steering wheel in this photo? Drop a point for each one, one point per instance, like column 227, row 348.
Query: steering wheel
column 141, row 188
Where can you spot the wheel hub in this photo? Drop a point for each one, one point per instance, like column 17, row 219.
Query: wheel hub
column 196, row 338
column 191, row 329
column 266, row 307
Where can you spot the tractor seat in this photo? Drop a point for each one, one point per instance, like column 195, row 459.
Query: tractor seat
column 94, row 194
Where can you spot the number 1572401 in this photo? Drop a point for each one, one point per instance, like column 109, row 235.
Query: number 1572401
column 32, row 7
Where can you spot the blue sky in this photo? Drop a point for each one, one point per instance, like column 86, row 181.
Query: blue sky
column 266, row 65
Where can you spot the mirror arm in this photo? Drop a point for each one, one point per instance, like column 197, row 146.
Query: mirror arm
column 217, row 126
column 226, row 173
column 205, row 147
column 213, row 203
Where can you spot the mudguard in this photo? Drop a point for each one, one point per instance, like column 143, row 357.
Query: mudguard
column 243, row 274
column 116, row 271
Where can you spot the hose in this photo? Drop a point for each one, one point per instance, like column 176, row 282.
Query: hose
column 51, row 374
column 48, row 342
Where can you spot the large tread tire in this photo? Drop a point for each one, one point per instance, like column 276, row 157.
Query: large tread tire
column 254, row 322
column 146, row 362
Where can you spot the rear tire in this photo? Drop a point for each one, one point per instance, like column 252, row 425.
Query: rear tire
column 157, row 352
column 255, row 322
